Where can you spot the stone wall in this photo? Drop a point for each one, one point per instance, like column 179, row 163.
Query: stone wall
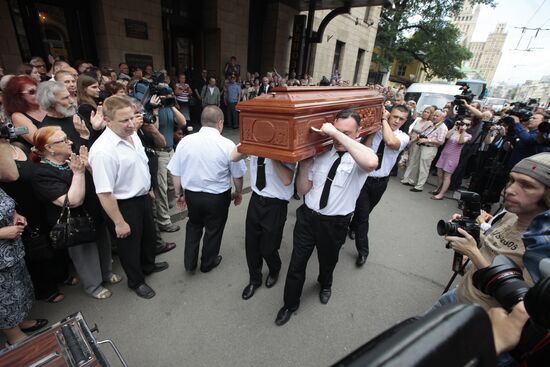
column 233, row 23
column 343, row 28
column 10, row 57
column 110, row 33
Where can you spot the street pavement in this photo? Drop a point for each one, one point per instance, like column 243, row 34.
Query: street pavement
column 200, row 319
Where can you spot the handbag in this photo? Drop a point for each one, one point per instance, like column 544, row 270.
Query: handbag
column 72, row 230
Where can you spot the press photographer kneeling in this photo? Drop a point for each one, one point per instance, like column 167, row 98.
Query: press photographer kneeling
column 527, row 195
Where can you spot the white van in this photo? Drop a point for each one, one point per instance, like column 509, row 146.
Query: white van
column 431, row 94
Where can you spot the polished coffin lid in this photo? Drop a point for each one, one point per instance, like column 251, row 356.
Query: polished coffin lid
column 278, row 125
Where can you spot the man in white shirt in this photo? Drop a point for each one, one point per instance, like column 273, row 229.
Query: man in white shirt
column 202, row 171
column 331, row 183
column 388, row 142
column 272, row 184
column 123, row 182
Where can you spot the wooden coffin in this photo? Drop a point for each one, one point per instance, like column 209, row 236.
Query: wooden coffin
column 278, row 125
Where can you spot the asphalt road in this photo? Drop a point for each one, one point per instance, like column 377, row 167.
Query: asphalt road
column 201, row 320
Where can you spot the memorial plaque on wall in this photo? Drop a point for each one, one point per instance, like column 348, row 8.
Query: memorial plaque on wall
column 278, row 125
column 138, row 60
column 136, row 29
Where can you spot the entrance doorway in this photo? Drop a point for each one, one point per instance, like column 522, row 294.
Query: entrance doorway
column 60, row 28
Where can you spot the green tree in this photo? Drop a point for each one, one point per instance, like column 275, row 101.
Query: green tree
column 421, row 30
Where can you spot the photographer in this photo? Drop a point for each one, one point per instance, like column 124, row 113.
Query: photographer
column 168, row 116
column 526, row 143
column 527, row 195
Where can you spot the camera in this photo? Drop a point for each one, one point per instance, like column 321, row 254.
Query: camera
column 148, row 117
column 465, row 96
column 470, row 204
column 520, row 110
column 10, row 132
column 544, row 133
column 157, row 86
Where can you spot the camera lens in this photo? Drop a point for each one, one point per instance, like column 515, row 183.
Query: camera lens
column 447, row 228
column 503, row 280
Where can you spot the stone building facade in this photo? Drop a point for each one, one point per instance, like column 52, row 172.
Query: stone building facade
column 466, row 22
column 184, row 35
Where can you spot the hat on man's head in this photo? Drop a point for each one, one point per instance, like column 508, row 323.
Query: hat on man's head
column 536, row 166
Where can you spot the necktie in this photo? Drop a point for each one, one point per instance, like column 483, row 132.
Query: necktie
column 380, row 153
column 326, row 189
column 260, row 174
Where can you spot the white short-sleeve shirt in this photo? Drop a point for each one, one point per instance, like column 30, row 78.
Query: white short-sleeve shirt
column 202, row 160
column 274, row 187
column 345, row 188
column 390, row 155
column 119, row 167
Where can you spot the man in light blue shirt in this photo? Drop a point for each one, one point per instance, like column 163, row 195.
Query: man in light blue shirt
column 232, row 96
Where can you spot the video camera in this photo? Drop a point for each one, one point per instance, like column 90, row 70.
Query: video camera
column 470, row 204
column 157, row 87
column 544, row 133
column 521, row 110
column 10, row 132
column 465, row 96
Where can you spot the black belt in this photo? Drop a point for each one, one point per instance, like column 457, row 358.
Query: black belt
column 266, row 200
column 165, row 149
column 427, row 145
column 336, row 218
column 385, row 178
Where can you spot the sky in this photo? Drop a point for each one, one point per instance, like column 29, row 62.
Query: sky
column 517, row 66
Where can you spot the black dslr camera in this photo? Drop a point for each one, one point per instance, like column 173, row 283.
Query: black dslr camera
column 521, row 110
column 470, row 204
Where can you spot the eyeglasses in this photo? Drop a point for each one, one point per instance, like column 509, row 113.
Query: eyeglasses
column 65, row 140
column 30, row 92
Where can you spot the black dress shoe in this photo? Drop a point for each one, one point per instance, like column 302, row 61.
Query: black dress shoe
column 217, row 262
column 144, row 291
column 249, row 290
column 414, row 189
column 157, row 268
column 361, row 260
column 271, row 280
column 324, row 295
column 40, row 323
column 284, row 315
column 165, row 247
column 351, row 234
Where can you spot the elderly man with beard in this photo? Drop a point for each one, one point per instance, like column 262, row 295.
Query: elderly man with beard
column 56, row 100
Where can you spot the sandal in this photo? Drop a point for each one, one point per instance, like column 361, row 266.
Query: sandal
column 55, row 298
column 71, row 280
column 435, row 198
column 114, row 279
column 102, row 293
column 435, row 192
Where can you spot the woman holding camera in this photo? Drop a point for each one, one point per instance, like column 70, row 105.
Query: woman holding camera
column 417, row 131
column 19, row 99
column 62, row 175
column 450, row 156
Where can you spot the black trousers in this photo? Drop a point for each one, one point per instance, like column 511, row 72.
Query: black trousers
column 370, row 195
column 232, row 115
column 265, row 221
column 206, row 212
column 137, row 251
column 313, row 230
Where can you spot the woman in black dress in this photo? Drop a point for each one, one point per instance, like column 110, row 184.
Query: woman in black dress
column 62, row 174
column 46, row 266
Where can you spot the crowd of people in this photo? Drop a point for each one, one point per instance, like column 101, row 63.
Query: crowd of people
column 89, row 147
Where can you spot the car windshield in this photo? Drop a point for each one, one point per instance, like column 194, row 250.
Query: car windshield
column 426, row 99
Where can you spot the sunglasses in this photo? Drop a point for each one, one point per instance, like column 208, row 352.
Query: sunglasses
column 30, row 92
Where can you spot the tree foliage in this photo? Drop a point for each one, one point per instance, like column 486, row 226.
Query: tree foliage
column 421, row 30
